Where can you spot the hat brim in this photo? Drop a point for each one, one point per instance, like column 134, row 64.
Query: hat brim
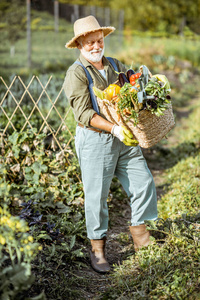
column 106, row 31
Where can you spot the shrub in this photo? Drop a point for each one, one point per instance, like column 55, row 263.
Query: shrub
column 43, row 199
column 17, row 250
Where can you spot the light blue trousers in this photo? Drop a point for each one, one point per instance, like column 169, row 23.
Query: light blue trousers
column 101, row 156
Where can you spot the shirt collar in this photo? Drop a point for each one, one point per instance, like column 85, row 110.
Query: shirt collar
column 84, row 61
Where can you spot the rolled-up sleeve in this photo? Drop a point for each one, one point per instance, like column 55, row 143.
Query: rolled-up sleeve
column 77, row 92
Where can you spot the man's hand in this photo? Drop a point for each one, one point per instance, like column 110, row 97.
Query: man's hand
column 124, row 135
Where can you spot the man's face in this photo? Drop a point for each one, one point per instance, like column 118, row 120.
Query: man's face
column 92, row 46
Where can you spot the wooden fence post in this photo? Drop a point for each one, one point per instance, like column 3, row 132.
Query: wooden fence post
column 56, row 16
column 93, row 10
column 107, row 23
column 75, row 15
column 107, row 16
column 28, row 6
column 121, row 25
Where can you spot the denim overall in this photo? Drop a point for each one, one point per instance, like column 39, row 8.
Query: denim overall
column 102, row 156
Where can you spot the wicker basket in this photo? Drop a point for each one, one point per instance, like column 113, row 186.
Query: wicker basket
column 150, row 128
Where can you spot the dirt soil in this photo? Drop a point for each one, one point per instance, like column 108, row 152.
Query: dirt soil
column 119, row 242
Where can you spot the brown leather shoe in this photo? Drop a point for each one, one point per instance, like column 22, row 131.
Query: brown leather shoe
column 140, row 236
column 97, row 255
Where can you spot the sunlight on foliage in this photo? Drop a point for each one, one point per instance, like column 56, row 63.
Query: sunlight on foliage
column 18, row 247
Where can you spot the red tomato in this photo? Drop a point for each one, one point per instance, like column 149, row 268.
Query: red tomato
column 132, row 82
column 134, row 77
column 138, row 75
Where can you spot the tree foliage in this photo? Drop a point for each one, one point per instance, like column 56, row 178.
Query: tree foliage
column 87, row 2
column 13, row 14
column 154, row 15
column 157, row 15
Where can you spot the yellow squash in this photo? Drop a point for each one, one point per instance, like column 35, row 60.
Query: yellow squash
column 112, row 90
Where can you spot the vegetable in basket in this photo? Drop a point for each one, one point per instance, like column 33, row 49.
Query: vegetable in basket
column 128, row 101
column 129, row 73
column 134, row 77
column 122, row 79
column 158, row 87
column 153, row 89
column 109, row 93
column 112, row 90
column 163, row 79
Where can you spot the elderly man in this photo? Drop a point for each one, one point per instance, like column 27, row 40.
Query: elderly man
column 105, row 149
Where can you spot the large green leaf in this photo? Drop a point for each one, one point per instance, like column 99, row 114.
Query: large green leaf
column 62, row 208
column 14, row 137
column 38, row 167
column 72, row 242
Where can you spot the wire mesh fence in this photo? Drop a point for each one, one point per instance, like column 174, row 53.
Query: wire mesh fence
column 40, row 105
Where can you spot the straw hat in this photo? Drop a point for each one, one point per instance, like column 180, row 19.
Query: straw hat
column 84, row 26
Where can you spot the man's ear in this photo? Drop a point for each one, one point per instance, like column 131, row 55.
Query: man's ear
column 78, row 45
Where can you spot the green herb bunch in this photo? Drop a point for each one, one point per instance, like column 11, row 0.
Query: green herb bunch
column 157, row 103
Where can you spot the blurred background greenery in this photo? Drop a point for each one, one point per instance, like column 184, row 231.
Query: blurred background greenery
column 33, row 33
column 160, row 30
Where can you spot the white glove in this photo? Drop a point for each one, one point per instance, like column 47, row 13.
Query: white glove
column 116, row 131
column 124, row 135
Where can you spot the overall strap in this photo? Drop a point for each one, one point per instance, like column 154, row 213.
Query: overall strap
column 111, row 60
column 92, row 95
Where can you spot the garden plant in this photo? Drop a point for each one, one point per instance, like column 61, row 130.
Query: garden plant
column 43, row 242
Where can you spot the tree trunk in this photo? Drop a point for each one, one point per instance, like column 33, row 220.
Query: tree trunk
column 182, row 25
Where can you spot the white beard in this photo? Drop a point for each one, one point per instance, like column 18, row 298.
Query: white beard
column 93, row 55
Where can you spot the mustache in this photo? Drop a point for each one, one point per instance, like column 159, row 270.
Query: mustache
column 96, row 51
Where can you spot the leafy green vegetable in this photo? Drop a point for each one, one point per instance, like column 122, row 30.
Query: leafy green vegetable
column 164, row 80
column 157, row 104
column 160, row 102
column 98, row 93
column 128, row 100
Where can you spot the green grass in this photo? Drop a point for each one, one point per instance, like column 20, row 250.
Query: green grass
column 183, row 195
column 48, row 55
column 159, row 52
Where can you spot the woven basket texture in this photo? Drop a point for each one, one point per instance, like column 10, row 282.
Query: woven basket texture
column 150, row 128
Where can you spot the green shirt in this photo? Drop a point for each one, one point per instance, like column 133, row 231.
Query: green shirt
column 76, row 86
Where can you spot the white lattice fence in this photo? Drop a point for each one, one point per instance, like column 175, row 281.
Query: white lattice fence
column 36, row 105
